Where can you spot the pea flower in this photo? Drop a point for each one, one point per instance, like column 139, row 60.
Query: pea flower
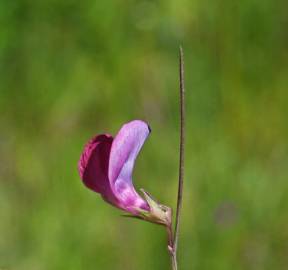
column 106, row 167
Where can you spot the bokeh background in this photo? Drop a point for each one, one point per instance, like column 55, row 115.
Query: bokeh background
column 71, row 69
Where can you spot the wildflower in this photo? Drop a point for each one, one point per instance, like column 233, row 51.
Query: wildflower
column 106, row 166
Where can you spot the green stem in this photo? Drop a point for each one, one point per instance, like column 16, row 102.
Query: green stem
column 171, row 249
column 181, row 159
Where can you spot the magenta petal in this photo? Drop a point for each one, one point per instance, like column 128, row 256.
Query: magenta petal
column 123, row 153
column 106, row 166
column 93, row 166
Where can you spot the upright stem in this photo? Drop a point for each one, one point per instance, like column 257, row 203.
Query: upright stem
column 171, row 247
column 174, row 261
column 181, row 160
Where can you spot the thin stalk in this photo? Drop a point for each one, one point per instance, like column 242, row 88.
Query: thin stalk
column 182, row 148
column 171, row 247
column 174, row 261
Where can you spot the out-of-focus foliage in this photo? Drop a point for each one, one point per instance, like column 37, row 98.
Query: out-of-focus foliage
column 71, row 69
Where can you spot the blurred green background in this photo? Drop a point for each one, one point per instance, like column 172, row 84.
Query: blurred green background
column 71, row 69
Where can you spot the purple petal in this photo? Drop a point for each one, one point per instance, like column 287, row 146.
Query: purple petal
column 123, row 153
column 93, row 166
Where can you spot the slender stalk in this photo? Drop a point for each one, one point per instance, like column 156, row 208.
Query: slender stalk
column 174, row 261
column 181, row 156
column 171, row 247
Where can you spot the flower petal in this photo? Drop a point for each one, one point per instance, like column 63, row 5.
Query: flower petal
column 93, row 166
column 124, row 150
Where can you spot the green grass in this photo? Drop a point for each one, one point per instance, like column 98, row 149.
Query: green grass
column 71, row 69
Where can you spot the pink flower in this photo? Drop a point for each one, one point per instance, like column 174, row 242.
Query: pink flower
column 106, row 166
